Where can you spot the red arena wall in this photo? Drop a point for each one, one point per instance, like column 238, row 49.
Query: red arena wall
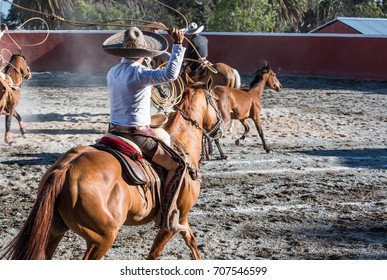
column 330, row 55
column 337, row 28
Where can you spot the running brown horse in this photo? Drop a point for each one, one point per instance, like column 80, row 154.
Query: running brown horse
column 220, row 73
column 246, row 104
column 10, row 83
column 85, row 191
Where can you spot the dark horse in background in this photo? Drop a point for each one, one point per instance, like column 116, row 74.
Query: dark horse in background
column 10, row 85
column 246, row 103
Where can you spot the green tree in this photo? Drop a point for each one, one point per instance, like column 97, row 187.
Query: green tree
column 289, row 13
column 242, row 16
column 215, row 15
column 56, row 7
column 322, row 11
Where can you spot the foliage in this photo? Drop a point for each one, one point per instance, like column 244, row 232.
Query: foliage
column 242, row 15
column 289, row 13
column 322, row 11
column 57, row 7
column 216, row 15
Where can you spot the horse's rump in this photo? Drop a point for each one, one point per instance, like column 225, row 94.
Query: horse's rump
column 221, row 74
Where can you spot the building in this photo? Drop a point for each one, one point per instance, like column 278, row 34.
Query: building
column 352, row 25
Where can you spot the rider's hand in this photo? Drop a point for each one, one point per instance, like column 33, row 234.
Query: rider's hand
column 176, row 35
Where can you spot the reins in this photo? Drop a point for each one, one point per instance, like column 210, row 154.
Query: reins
column 11, row 67
column 209, row 100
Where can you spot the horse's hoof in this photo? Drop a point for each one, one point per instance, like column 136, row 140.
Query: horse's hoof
column 224, row 157
column 268, row 151
column 237, row 142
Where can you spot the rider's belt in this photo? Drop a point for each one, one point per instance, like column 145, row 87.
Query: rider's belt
column 144, row 130
column 126, row 129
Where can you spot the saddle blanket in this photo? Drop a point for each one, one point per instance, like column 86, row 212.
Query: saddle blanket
column 121, row 146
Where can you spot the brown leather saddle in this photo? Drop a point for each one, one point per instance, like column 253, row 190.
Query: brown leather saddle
column 138, row 170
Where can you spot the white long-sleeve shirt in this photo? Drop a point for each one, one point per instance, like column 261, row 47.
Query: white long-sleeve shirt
column 130, row 88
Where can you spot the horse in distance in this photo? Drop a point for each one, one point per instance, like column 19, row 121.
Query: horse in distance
column 11, row 80
column 246, row 103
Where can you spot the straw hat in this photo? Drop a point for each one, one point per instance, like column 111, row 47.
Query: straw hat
column 194, row 29
column 135, row 43
column 154, row 26
column 158, row 120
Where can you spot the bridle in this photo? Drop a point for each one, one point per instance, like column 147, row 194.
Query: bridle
column 214, row 131
column 11, row 66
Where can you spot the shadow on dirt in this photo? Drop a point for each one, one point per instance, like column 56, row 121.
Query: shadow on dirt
column 55, row 117
column 365, row 86
column 365, row 158
column 33, row 159
column 64, row 131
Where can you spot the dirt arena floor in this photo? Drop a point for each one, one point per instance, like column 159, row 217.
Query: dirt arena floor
column 321, row 194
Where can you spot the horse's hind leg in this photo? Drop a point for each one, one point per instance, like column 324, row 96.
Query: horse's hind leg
column 98, row 243
column 8, row 120
column 7, row 137
column 162, row 238
column 96, row 250
column 57, row 231
column 191, row 242
column 258, row 125
column 222, row 155
column 52, row 244
column 20, row 121
column 247, row 129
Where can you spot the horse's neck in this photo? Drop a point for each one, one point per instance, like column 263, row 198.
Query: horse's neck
column 189, row 136
column 258, row 88
column 15, row 76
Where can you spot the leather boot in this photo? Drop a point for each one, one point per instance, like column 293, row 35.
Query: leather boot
column 168, row 216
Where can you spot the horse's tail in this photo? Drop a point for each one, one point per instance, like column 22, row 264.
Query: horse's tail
column 237, row 78
column 31, row 241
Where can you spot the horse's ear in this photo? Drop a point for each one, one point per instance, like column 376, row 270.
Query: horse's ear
column 188, row 80
column 264, row 62
column 210, row 81
column 214, row 95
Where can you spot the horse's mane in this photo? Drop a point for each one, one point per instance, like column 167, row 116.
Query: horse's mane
column 259, row 74
column 7, row 68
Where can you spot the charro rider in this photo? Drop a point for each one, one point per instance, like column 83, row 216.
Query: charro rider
column 163, row 58
column 4, row 28
column 129, row 85
column 199, row 51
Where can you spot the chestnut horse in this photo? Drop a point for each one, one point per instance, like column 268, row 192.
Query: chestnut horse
column 85, row 191
column 10, row 82
column 221, row 74
column 242, row 104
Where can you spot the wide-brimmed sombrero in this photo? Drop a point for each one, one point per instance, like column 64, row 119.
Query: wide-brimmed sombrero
column 154, row 26
column 133, row 43
column 158, row 120
column 194, row 29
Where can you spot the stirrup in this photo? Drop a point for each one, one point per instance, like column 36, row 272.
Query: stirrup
column 172, row 222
